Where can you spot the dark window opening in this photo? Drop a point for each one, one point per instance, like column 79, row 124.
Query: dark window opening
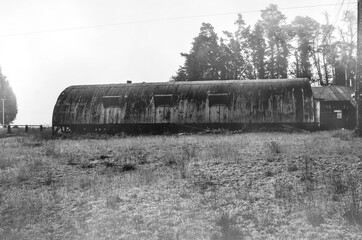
column 163, row 100
column 219, row 99
column 111, row 101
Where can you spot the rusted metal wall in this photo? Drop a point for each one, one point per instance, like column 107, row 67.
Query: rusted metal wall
column 233, row 101
column 334, row 107
column 337, row 114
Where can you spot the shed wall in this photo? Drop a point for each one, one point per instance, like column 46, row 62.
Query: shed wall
column 337, row 114
column 225, row 102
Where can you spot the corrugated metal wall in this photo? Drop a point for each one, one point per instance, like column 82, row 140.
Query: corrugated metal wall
column 247, row 101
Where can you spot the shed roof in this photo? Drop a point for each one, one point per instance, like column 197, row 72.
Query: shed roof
column 333, row 93
column 84, row 92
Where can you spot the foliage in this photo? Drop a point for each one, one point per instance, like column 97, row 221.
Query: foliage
column 347, row 45
column 277, row 41
column 203, row 60
column 304, row 29
column 274, row 147
column 273, row 48
column 258, row 51
column 10, row 105
column 235, row 49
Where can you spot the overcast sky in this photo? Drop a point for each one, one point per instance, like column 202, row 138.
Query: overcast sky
column 48, row 45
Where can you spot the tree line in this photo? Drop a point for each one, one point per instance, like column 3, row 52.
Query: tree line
column 8, row 106
column 273, row 48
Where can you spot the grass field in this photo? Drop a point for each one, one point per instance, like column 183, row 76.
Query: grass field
column 237, row 186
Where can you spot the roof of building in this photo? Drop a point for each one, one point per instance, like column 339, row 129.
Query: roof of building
column 333, row 93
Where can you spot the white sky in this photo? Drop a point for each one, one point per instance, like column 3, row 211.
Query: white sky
column 40, row 63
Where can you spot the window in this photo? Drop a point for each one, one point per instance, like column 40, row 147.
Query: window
column 218, row 99
column 163, row 100
column 111, row 101
column 339, row 114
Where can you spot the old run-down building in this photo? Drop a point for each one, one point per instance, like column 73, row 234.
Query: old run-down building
column 334, row 107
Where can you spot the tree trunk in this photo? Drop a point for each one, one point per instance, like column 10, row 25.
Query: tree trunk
column 296, row 64
column 272, row 70
column 325, row 69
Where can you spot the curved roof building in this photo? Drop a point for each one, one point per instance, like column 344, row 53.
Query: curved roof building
column 235, row 102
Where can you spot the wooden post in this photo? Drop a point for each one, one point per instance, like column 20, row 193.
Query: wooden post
column 358, row 98
column 3, row 111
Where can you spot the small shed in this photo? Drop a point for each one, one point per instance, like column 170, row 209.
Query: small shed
column 334, row 107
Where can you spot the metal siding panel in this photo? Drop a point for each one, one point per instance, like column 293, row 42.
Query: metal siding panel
column 340, row 89
column 338, row 96
column 252, row 101
column 333, row 97
column 333, row 93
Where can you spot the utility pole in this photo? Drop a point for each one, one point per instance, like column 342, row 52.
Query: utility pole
column 3, row 111
column 358, row 98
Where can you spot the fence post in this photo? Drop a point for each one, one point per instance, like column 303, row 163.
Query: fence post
column 358, row 88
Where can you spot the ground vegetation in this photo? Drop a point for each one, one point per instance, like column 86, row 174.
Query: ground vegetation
column 202, row 186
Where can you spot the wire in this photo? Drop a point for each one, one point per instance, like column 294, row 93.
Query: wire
column 349, row 4
column 155, row 20
column 331, row 26
column 339, row 11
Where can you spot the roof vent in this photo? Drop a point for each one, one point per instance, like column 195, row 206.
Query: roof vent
column 129, row 81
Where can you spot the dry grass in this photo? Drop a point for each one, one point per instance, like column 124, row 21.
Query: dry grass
column 242, row 186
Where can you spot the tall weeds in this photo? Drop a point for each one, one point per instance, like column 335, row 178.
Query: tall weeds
column 246, row 186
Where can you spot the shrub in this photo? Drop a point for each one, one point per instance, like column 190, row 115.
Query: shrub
column 204, row 182
column 274, row 147
column 228, row 228
column 170, row 161
column 282, row 189
column 292, row 167
column 337, row 184
column 181, row 160
column 51, row 149
column 49, row 178
column 269, row 173
column 128, row 167
column 189, row 151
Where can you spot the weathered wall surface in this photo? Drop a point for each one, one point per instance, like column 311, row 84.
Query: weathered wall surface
column 335, row 115
column 250, row 101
